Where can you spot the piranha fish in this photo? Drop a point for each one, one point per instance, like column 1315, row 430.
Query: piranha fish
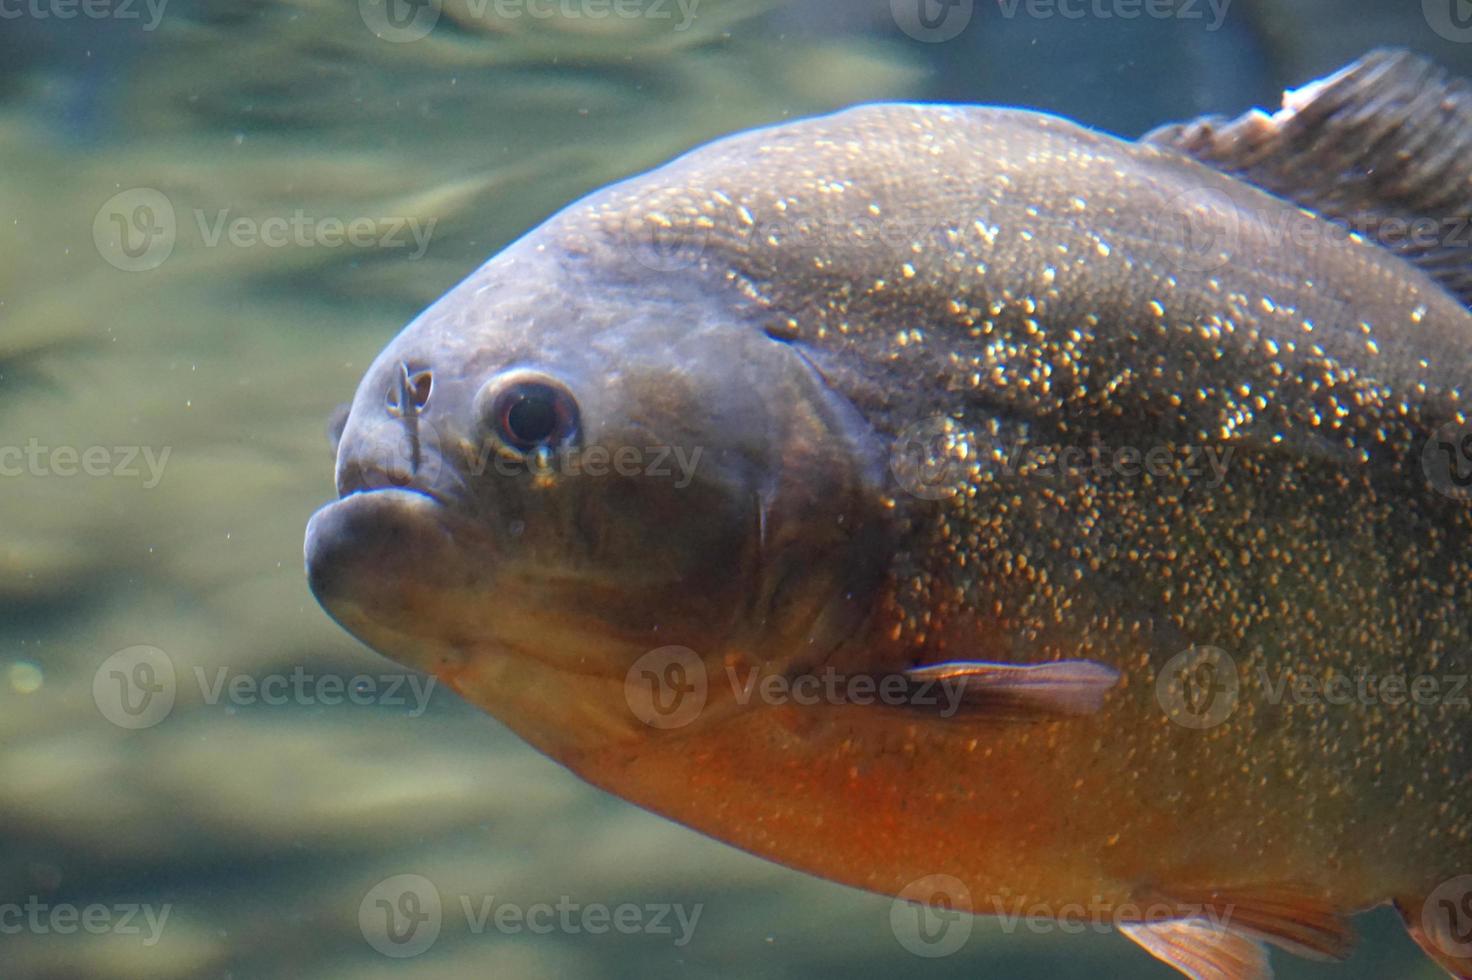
column 964, row 505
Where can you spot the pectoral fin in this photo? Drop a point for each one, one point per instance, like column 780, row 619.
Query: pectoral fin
column 1222, row 937
column 1202, row 950
column 1285, row 916
column 1061, row 688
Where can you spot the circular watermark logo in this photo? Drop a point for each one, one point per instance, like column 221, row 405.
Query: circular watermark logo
column 1446, row 917
column 666, row 688
column 661, row 243
column 932, row 21
column 1446, row 459
column 135, row 229
column 1199, row 688
column 1451, row 19
column 926, row 459
column 401, row 916
column 408, row 451
column 400, row 21
column 1210, row 231
column 135, row 688
column 929, row 916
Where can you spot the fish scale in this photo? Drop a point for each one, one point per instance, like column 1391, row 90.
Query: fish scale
column 1331, row 581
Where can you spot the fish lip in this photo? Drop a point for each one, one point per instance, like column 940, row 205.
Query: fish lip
column 407, row 489
column 405, row 493
column 363, row 542
column 422, row 502
column 436, row 479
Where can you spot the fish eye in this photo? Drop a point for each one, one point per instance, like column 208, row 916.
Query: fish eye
column 528, row 410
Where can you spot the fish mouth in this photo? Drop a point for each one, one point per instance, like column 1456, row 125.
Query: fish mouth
column 424, row 584
column 373, row 555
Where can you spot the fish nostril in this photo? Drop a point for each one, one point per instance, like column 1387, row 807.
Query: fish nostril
column 411, row 390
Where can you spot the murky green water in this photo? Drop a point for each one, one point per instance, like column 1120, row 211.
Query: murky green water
column 212, row 216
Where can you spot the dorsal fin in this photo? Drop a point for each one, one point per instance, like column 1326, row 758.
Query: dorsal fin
column 1383, row 146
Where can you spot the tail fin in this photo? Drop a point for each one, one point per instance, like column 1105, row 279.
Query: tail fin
column 1384, row 146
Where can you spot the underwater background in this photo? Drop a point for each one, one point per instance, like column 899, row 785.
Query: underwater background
column 212, row 217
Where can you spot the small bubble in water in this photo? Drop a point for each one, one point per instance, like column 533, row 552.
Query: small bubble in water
column 25, row 677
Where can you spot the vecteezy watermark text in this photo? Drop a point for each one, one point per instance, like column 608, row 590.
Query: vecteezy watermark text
column 137, row 229
column 932, row 916
column 669, row 687
column 684, row 10
column 420, row 450
column 402, row 21
column 828, row 686
column 97, row 919
column 86, row 9
column 597, row 461
column 402, row 916
column 1188, row 10
column 1202, row 687
column 1209, row 462
column 138, row 687
column 934, row 21
column 1215, row 222
column 301, row 687
column 1366, row 688
column 1099, row 916
column 38, row 460
column 935, row 457
column 302, row 230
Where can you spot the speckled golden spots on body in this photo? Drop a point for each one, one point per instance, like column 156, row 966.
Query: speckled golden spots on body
column 1041, row 323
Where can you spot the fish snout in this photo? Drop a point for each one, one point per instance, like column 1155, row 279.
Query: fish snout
column 397, row 454
column 350, row 542
column 372, row 557
column 364, row 476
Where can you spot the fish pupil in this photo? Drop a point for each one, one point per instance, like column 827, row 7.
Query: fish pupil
column 532, row 416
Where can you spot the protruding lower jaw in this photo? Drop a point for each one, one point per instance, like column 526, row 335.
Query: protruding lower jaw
column 379, row 562
column 422, row 584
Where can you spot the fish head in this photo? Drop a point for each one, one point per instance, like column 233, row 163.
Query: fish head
column 562, row 466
